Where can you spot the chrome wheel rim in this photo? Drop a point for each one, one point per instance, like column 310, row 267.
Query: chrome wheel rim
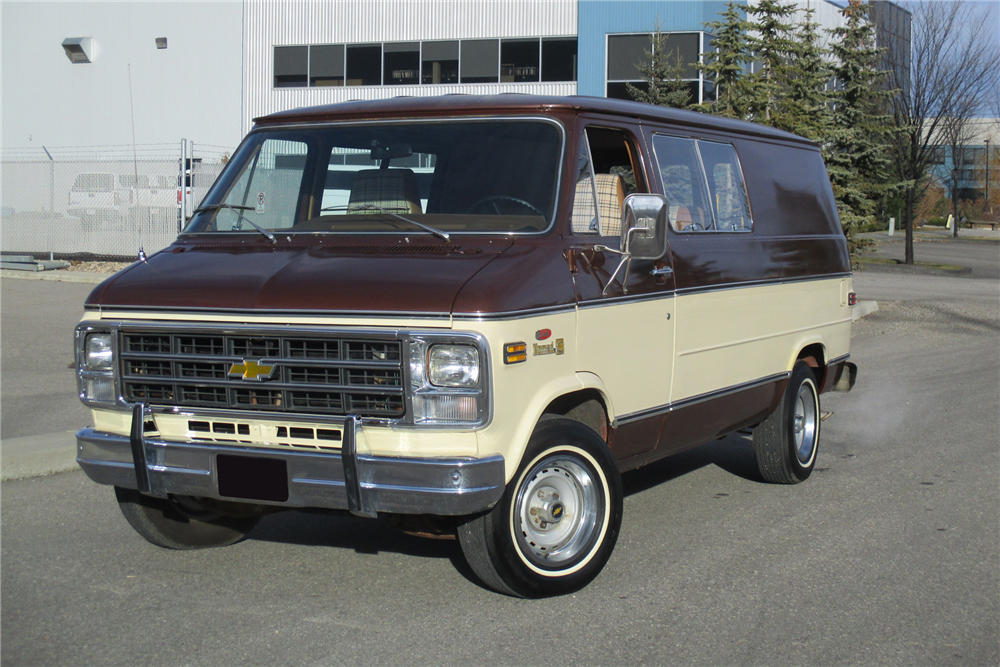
column 805, row 423
column 558, row 512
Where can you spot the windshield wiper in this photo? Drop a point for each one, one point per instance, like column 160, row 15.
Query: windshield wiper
column 240, row 208
column 397, row 216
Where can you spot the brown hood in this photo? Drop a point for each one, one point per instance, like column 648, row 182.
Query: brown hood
column 328, row 275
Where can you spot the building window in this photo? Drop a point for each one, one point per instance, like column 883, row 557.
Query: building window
column 626, row 53
column 364, row 65
column 291, row 66
column 559, row 59
column 401, row 64
column 527, row 59
column 440, row 62
column 519, row 60
column 326, row 65
column 479, row 60
column 973, row 155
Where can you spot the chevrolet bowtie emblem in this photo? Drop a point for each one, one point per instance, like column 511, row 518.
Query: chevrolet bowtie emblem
column 251, row 370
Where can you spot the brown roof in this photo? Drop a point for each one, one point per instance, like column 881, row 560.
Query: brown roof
column 459, row 104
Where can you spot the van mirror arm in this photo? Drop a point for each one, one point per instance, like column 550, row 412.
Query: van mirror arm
column 626, row 261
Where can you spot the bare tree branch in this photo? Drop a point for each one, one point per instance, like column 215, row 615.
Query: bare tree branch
column 949, row 72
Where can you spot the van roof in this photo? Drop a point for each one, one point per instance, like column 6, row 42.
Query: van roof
column 461, row 104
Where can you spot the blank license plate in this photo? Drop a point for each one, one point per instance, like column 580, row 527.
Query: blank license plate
column 252, row 478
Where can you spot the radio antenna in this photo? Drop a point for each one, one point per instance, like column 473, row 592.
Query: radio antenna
column 135, row 163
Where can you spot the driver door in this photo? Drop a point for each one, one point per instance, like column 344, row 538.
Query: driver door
column 624, row 329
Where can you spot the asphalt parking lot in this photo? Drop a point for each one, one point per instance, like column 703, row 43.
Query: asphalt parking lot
column 888, row 554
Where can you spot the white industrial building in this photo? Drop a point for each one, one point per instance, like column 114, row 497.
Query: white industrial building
column 85, row 82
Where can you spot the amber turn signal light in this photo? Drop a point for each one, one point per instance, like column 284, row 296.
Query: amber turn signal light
column 515, row 353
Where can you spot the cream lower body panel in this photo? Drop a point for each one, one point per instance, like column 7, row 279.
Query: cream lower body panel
column 730, row 337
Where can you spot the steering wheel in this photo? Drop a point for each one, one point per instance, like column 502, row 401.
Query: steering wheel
column 494, row 202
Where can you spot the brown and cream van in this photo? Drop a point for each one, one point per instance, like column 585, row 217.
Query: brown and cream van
column 468, row 316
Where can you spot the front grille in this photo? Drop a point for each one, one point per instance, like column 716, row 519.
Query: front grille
column 309, row 374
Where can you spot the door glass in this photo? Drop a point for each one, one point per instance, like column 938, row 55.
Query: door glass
column 584, row 203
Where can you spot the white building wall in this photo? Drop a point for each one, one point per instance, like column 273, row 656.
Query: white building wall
column 191, row 89
column 271, row 23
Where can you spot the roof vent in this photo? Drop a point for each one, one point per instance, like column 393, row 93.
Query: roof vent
column 79, row 49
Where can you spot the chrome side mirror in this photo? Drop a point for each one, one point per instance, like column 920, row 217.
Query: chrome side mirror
column 644, row 226
column 644, row 233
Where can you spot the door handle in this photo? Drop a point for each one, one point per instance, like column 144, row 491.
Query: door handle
column 662, row 271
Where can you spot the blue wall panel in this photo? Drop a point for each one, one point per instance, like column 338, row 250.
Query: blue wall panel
column 598, row 18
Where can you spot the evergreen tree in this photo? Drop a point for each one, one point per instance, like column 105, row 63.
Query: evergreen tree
column 772, row 41
column 726, row 64
column 858, row 157
column 806, row 109
column 663, row 72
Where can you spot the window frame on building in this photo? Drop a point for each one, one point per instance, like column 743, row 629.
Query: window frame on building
column 613, row 87
column 549, row 53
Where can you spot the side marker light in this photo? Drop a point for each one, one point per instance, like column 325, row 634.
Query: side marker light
column 515, row 353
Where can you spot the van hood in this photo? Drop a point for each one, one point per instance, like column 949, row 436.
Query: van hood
column 330, row 275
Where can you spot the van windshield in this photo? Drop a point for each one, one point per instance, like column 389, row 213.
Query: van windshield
column 460, row 176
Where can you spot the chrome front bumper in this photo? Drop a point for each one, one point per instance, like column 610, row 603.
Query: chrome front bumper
column 364, row 484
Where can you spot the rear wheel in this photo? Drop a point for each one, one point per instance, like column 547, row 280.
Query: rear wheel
column 785, row 444
column 180, row 522
column 558, row 521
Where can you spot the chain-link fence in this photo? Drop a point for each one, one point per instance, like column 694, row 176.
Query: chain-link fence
column 70, row 203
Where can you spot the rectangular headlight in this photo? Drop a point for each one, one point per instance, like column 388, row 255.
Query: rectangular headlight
column 95, row 362
column 449, row 378
column 98, row 353
column 453, row 366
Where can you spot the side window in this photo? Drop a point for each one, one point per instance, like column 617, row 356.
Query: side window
column 608, row 169
column 726, row 187
column 683, row 183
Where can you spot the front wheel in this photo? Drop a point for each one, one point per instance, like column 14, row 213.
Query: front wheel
column 181, row 523
column 557, row 523
column 785, row 444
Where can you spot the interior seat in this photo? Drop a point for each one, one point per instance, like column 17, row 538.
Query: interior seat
column 394, row 190
column 610, row 200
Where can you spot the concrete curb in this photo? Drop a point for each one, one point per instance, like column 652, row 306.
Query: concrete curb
column 862, row 309
column 38, row 455
column 60, row 276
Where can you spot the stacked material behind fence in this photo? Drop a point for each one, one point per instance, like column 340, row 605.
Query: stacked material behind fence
column 105, row 208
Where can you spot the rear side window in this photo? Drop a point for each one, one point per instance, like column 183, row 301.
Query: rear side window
column 704, row 185
column 725, row 185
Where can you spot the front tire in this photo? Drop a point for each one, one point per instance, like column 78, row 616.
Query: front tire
column 786, row 443
column 181, row 523
column 557, row 523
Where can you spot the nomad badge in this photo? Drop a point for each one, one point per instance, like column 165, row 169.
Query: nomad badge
column 558, row 346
